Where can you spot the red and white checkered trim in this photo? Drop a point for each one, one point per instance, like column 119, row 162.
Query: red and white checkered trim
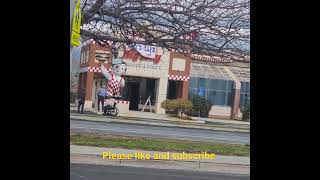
column 88, row 42
column 179, row 78
column 122, row 102
column 184, row 51
column 91, row 41
column 119, row 101
column 96, row 69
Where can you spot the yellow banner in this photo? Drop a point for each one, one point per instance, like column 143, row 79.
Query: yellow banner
column 76, row 22
column 75, row 38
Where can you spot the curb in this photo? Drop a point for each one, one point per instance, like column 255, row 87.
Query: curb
column 174, row 121
column 97, row 151
column 160, row 125
column 143, row 119
column 237, row 169
column 134, row 158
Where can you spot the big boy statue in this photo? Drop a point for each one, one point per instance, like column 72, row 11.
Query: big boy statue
column 115, row 81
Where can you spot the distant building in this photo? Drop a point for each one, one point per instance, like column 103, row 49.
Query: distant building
column 75, row 68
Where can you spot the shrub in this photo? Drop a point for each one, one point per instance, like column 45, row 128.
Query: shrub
column 245, row 110
column 184, row 106
column 170, row 106
column 200, row 105
column 177, row 106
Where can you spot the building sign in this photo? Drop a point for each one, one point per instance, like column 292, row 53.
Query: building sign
column 146, row 51
column 142, row 64
column 134, row 55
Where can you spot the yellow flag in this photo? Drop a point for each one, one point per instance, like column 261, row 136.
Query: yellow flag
column 76, row 22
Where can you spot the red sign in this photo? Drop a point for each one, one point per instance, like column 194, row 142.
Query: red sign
column 134, row 55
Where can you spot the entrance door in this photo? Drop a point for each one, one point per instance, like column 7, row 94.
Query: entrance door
column 174, row 89
column 171, row 94
column 133, row 92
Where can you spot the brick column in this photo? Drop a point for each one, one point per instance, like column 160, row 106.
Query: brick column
column 162, row 83
column 183, row 86
column 235, row 102
column 185, row 89
column 89, row 78
column 161, row 94
column 89, row 83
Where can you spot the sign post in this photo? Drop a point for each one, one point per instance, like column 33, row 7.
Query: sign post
column 72, row 7
column 201, row 91
column 76, row 22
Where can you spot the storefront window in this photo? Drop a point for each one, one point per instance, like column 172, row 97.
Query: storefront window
column 244, row 93
column 220, row 98
column 202, row 82
column 193, row 83
column 217, row 91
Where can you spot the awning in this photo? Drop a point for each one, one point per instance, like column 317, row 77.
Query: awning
column 243, row 74
column 213, row 59
column 209, row 71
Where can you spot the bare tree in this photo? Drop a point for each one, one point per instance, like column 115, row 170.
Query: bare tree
column 211, row 27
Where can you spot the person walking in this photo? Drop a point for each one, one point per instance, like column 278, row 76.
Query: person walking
column 102, row 93
column 82, row 98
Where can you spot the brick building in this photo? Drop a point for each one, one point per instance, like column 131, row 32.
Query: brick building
column 169, row 75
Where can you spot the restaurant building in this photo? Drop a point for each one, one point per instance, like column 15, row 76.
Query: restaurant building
column 163, row 75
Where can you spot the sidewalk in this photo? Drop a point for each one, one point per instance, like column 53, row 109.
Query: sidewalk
column 147, row 118
column 97, row 151
column 93, row 155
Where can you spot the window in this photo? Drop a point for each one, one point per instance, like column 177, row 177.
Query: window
column 228, row 98
column 211, row 96
column 220, row 98
column 193, row 83
column 217, row 91
column 230, row 86
column 244, row 93
column 202, row 82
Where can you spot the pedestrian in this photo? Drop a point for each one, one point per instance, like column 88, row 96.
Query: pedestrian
column 82, row 97
column 102, row 93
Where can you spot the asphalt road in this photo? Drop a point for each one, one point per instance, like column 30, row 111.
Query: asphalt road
column 103, row 172
column 159, row 132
